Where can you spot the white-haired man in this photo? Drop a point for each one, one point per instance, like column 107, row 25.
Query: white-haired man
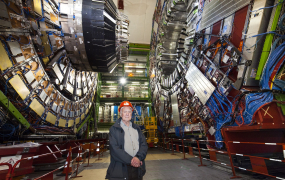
column 128, row 147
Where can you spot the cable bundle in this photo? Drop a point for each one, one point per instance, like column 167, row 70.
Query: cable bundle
column 238, row 108
column 179, row 131
column 10, row 128
column 271, row 68
column 220, row 109
column 51, row 129
column 254, row 102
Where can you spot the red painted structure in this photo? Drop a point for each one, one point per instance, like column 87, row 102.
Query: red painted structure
column 51, row 150
column 121, row 4
column 25, row 167
column 258, row 164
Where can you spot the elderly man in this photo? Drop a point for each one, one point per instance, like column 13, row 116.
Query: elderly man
column 128, row 147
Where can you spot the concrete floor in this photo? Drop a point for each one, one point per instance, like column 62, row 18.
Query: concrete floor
column 164, row 166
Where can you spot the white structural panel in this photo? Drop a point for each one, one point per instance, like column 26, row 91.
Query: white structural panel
column 199, row 83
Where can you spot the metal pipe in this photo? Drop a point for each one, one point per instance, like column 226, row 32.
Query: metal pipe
column 200, row 154
column 68, row 163
column 9, row 170
column 66, row 75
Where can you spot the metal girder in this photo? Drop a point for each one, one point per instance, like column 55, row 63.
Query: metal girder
column 99, row 86
column 102, row 125
column 138, row 53
column 116, row 78
column 123, row 99
column 4, row 101
column 138, row 49
column 86, row 120
column 137, row 62
column 128, row 68
column 135, row 45
column 117, row 84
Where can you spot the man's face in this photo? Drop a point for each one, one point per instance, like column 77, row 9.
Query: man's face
column 126, row 113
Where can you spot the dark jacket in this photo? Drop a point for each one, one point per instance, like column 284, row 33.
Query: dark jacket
column 120, row 159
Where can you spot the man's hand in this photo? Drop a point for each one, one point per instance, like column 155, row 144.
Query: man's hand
column 136, row 162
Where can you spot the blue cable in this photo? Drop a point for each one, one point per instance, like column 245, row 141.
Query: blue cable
column 8, row 127
column 275, row 42
column 278, row 83
column 270, row 65
column 7, row 49
column 220, row 108
column 280, row 23
column 268, row 6
column 270, row 32
column 253, row 102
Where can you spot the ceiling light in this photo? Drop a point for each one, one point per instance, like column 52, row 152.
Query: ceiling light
column 112, row 88
column 110, row 81
column 137, row 66
column 128, row 71
column 123, row 81
column 140, row 71
column 135, row 82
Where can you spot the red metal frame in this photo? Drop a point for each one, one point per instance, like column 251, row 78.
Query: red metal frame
column 9, row 170
column 25, row 167
column 49, row 175
column 258, row 163
column 121, row 4
column 28, row 158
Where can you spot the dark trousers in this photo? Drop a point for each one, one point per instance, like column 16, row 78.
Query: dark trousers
column 133, row 173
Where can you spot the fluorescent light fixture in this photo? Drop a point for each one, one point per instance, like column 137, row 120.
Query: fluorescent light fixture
column 112, row 88
column 103, row 131
column 110, row 81
column 136, row 66
column 123, row 80
column 128, row 71
column 139, row 71
column 135, row 82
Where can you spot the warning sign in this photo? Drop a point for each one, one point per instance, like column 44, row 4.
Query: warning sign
column 11, row 160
